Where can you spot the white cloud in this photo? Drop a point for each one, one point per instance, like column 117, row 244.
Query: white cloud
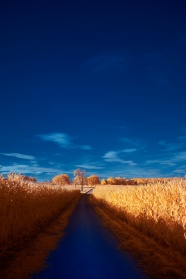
column 170, row 146
column 152, row 162
column 130, row 163
column 25, row 169
column 19, row 156
column 61, row 139
column 180, row 171
column 131, row 143
column 129, row 150
column 89, row 167
column 34, row 163
column 112, row 156
column 85, row 147
column 160, row 161
column 130, row 172
column 141, row 172
column 174, row 159
column 180, row 156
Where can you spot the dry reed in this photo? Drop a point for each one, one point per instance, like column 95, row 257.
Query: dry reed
column 159, row 210
column 26, row 206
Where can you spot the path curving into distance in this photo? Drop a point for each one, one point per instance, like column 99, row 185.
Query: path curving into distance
column 88, row 251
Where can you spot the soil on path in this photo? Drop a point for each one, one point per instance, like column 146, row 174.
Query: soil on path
column 88, row 250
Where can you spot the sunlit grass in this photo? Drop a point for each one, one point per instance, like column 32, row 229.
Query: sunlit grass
column 26, row 206
column 157, row 210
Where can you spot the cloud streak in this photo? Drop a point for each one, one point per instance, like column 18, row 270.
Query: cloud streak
column 89, row 167
column 112, row 156
column 173, row 160
column 170, row 146
column 132, row 144
column 85, row 147
column 19, row 156
column 25, row 169
column 63, row 140
column 129, row 150
column 160, row 161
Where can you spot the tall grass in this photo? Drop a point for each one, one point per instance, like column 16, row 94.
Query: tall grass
column 25, row 206
column 157, row 210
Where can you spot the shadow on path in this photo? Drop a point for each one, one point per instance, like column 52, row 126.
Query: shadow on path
column 88, row 250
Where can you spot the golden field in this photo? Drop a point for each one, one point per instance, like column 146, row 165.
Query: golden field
column 25, row 206
column 158, row 210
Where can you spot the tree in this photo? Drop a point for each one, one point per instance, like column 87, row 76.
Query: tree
column 78, row 180
column 61, row 179
column 111, row 181
column 103, row 182
column 80, row 177
column 120, row 180
column 93, row 180
column 123, row 181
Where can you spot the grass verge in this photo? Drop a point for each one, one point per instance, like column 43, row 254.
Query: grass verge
column 28, row 256
column 157, row 261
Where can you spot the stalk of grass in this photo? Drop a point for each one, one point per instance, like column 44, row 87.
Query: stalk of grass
column 157, row 210
column 25, row 206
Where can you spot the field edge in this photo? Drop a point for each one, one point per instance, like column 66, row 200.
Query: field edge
column 154, row 260
column 32, row 258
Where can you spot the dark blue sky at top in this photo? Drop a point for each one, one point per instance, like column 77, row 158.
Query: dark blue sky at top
column 93, row 85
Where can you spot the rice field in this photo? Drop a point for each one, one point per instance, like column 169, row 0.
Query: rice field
column 26, row 205
column 158, row 210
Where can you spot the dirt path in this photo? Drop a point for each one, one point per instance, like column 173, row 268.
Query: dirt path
column 88, row 251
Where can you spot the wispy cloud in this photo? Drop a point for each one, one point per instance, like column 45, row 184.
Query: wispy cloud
column 180, row 156
column 180, row 171
column 112, row 156
column 26, row 169
column 170, row 146
column 142, row 172
column 130, row 172
column 85, row 147
column 171, row 160
column 132, row 144
column 182, row 138
column 19, row 156
column 129, row 150
column 160, row 161
column 89, row 167
column 63, row 140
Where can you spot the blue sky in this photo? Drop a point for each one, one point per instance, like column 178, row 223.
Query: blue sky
column 93, row 85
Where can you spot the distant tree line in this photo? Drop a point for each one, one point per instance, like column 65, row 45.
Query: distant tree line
column 80, row 180
column 133, row 181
